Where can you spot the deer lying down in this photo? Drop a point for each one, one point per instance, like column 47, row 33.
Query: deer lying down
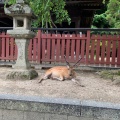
column 61, row 72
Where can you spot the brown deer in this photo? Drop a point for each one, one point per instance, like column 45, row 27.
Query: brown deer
column 61, row 72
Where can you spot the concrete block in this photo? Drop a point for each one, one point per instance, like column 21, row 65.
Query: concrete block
column 73, row 118
column 79, row 118
column 12, row 115
column 55, row 117
column 100, row 113
column 102, row 119
column 1, row 114
column 2, row 104
column 103, row 113
column 14, row 105
column 34, row 116
column 84, row 118
column 87, row 111
column 53, row 108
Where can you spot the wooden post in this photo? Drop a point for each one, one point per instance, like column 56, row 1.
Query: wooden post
column 0, row 46
column 39, row 46
column 87, row 47
column 118, row 52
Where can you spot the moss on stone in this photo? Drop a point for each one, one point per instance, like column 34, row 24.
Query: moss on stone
column 107, row 74
column 23, row 74
column 113, row 75
column 118, row 73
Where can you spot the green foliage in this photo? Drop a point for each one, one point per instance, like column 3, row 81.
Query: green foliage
column 109, row 17
column 113, row 13
column 100, row 21
column 10, row 1
column 48, row 11
column 112, row 75
column 107, row 74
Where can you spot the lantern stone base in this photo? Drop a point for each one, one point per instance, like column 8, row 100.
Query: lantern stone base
column 22, row 74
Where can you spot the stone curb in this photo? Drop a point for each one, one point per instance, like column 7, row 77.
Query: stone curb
column 61, row 106
column 89, row 103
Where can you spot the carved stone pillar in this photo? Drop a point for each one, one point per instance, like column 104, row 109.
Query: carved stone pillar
column 22, row 16
column 22, row 58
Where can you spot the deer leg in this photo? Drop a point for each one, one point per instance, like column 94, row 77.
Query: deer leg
column 75, row 81
column 44, row 78
column 59, row 78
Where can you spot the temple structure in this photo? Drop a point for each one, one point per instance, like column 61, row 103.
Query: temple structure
column 80, row 11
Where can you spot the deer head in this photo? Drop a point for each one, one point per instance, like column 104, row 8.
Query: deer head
column 73, row 66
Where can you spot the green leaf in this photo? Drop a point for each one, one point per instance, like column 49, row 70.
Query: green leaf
column 44, row 9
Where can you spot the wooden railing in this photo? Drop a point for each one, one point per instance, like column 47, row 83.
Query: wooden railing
column 94, row 49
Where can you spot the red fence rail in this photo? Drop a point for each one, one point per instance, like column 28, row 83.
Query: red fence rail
column 105, row 49
column 93, row 49
column 8, row 48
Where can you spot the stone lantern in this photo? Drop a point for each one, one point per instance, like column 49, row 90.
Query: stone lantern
column 22, row 15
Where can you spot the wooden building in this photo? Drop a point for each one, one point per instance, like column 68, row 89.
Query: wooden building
column 81, row 13
column 5, row 20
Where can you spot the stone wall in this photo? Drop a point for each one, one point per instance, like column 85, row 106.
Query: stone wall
column 14, row 107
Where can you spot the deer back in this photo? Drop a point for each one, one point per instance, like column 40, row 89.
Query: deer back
column 61, row 71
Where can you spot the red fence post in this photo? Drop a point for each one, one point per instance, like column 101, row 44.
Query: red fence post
column 3, row 46
column 53, row 48
column 73, row 47
column 98, row 39
column 92, row 51
column 103, row 49
column 39, row 46
column 114, row 47
column 78, row 47
column 7, row 51
column 0, row 46
column 118, row 52
column 108, row 49
column 87, row 47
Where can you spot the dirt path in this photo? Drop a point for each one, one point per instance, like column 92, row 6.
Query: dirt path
column 95, row 88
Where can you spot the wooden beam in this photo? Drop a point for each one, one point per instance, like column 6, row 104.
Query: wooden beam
column 83, row 7
column 75, row 2
column 83, row 1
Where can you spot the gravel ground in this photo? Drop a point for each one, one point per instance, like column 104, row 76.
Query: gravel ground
column 95, row 88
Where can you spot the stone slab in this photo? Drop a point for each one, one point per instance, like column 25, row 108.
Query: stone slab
column 34, row 116
column 1, row 114
column 55, row 117
column 22, row 74
column 12, row 115
column 60, row 108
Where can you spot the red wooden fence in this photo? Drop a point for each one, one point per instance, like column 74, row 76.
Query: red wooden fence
column 94, row 49
column 106, row 49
